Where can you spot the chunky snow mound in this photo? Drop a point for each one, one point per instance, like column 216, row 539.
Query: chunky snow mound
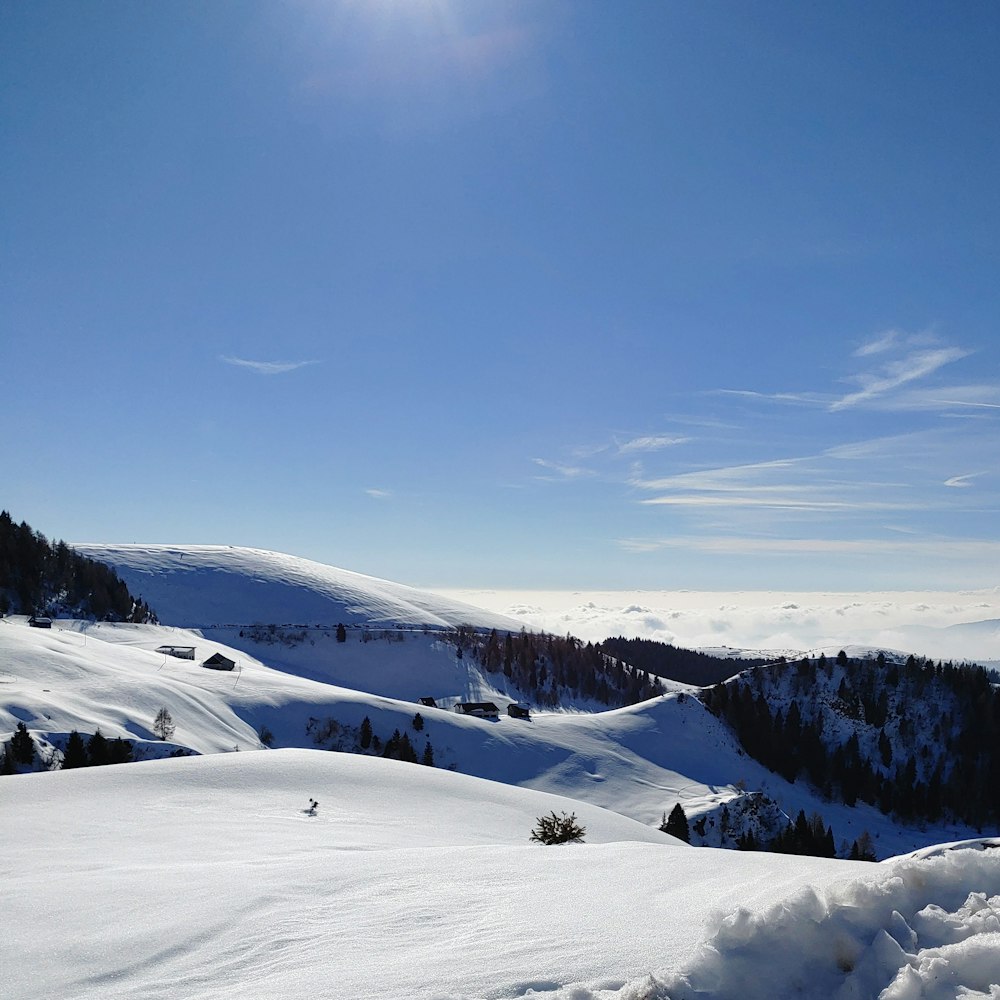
column 202, row 585
column 928, row 928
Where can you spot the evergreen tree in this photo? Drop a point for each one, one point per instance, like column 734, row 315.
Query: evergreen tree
column 677, row 824
column 341, row 633
column 863, row 849
column 97, row 750
column 22, row 746
column 75, row 754
column 406, row 751
column 119, row 751
column 428, row 757
column 418, row 722
column 366, row 733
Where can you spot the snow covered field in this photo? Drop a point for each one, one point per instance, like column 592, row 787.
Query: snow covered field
column 206, row 878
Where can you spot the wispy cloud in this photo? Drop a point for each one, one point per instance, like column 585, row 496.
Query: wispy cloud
column 899, row 362
column 720, row 479
column 799, row 398
column 963, row 482
column 772, row 501
column 651, row 443
column 916, row 365
column 880, row 343
column 938, row 548
column 266, row 367
column 378, row 494
column 563, row 471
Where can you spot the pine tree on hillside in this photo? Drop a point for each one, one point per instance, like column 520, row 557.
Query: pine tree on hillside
column 22, row 746
column 119, row 751
column 75, row 754
column 97, row 750
column 677, row 824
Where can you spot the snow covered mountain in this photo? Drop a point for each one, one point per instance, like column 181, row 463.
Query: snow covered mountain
column 204, row 585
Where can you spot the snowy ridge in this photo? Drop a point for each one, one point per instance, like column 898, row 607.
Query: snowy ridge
column 203, row 585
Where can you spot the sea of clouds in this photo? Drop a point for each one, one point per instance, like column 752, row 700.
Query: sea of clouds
column 940, row 624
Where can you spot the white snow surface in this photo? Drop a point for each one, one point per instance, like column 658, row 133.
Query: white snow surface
column 638, row 761
column 207, row 878
column 199, row 585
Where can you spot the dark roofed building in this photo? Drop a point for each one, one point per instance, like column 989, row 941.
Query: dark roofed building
column 478, row 709
column 219, row 662
column 518, row 711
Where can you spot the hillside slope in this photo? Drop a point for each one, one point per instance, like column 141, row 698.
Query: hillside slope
column 203, row 585
column 206, row 878
column 637, row 761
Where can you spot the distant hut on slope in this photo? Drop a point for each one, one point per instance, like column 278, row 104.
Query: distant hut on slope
column 219, row 662
column 478, row 709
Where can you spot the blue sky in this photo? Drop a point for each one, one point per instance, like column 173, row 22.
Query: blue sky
column 571, row 295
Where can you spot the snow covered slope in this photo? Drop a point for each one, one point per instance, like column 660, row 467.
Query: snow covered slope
column 638, row 761
column 205, row 878
column 199, row 585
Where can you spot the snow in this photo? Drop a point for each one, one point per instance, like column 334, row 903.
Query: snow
column 205, row 878
column 198, row 585
column 638, row 761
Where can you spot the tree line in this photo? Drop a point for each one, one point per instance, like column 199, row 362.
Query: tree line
column 331, row 734
column 550, row 669
column 39, row 577
column 685, row 665
column 917, row 740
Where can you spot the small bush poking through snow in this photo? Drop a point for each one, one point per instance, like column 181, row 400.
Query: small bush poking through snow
column 553, row 829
